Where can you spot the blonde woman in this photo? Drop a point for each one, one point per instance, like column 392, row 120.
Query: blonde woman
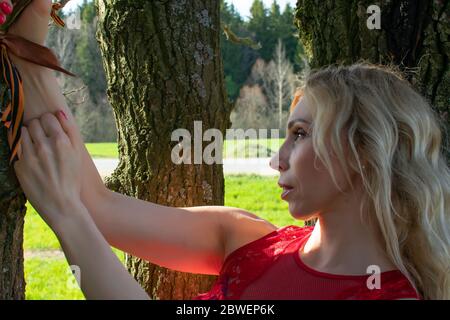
column 362, row 155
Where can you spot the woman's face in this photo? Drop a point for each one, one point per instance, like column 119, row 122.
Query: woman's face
column 312, row 189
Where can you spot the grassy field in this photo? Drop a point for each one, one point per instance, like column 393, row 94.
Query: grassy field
column 249, row 148
column 49, row 278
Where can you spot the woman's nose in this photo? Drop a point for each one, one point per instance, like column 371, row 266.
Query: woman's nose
column 277, row 164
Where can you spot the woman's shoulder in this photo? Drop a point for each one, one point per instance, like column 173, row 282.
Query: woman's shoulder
column 262, row 236
column 244, row 231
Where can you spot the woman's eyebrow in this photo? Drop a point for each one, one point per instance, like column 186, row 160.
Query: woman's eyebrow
column 292, row 122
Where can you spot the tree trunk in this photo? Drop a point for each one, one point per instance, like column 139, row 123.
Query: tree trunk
column 413, row 35
column 164, row 71
column 12, row 213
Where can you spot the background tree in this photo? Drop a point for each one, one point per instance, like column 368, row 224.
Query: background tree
column 265, row 26
column 77, row 49
column 414, row 36
column 163, row 70
column 260, row 27
column 252, row 109
column 237, row 59
column 265, row 99
column 280, row 83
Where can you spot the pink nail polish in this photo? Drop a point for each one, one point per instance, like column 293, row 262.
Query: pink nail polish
column 6, row 8
column 63, row 114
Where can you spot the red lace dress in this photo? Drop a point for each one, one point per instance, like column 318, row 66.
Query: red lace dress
column 270, row 268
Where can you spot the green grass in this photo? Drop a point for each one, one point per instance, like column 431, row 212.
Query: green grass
column 103, row 150
column 50, row 278
column 250, row 148
column 259, row 195
column 37, row 234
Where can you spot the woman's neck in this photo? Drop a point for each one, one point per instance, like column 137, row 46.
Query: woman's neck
column 342, row 244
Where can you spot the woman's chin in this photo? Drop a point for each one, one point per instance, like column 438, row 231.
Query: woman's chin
column 300, row 213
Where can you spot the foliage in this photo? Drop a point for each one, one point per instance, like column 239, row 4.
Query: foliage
column 265, row 26
column 79, row 52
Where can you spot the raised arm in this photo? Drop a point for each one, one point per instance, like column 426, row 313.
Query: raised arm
column 50, row 157
column 191, row 239
column 42, row 93
column 102, row 276
column 194, row 239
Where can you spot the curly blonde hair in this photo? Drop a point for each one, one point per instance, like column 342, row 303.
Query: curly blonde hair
column 395, row 133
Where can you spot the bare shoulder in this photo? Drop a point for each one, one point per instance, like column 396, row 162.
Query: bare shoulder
column 242, row 227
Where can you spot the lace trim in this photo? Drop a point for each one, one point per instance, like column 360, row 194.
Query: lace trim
column 233, row 279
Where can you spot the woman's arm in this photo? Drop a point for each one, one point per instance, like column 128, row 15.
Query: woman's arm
column 193, row 239
column 48, row 169
column 41, row 87
column 182, row 241
column 102, row 275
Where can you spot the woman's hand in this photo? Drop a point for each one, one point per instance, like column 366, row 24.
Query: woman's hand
column 49, row 166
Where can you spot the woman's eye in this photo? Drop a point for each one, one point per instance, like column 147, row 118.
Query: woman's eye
column 300, row 133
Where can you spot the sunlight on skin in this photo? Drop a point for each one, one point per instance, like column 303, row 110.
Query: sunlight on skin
column 339, row 236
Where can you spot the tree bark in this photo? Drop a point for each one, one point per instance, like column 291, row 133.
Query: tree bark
column 413, row 35
column 164, row 71
column 12, row 213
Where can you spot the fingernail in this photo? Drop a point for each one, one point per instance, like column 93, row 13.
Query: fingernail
column 6, row 7
column 63, row 114
column 2, row 19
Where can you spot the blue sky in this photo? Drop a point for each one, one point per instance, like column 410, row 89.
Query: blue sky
column 243, row 6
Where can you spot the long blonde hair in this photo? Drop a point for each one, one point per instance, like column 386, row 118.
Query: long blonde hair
column 394, row 132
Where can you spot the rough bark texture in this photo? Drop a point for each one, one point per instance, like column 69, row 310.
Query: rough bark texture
column 414, row 34
column 12, row 213
column 164, row 71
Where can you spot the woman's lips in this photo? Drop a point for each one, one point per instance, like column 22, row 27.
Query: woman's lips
column 286, row 190
column 285, row 193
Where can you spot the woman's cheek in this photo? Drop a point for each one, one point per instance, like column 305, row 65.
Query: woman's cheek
column 302, row 161
column 312, row 183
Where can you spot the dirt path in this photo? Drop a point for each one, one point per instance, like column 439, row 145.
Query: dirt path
column 52, row 254
column 260, row 166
